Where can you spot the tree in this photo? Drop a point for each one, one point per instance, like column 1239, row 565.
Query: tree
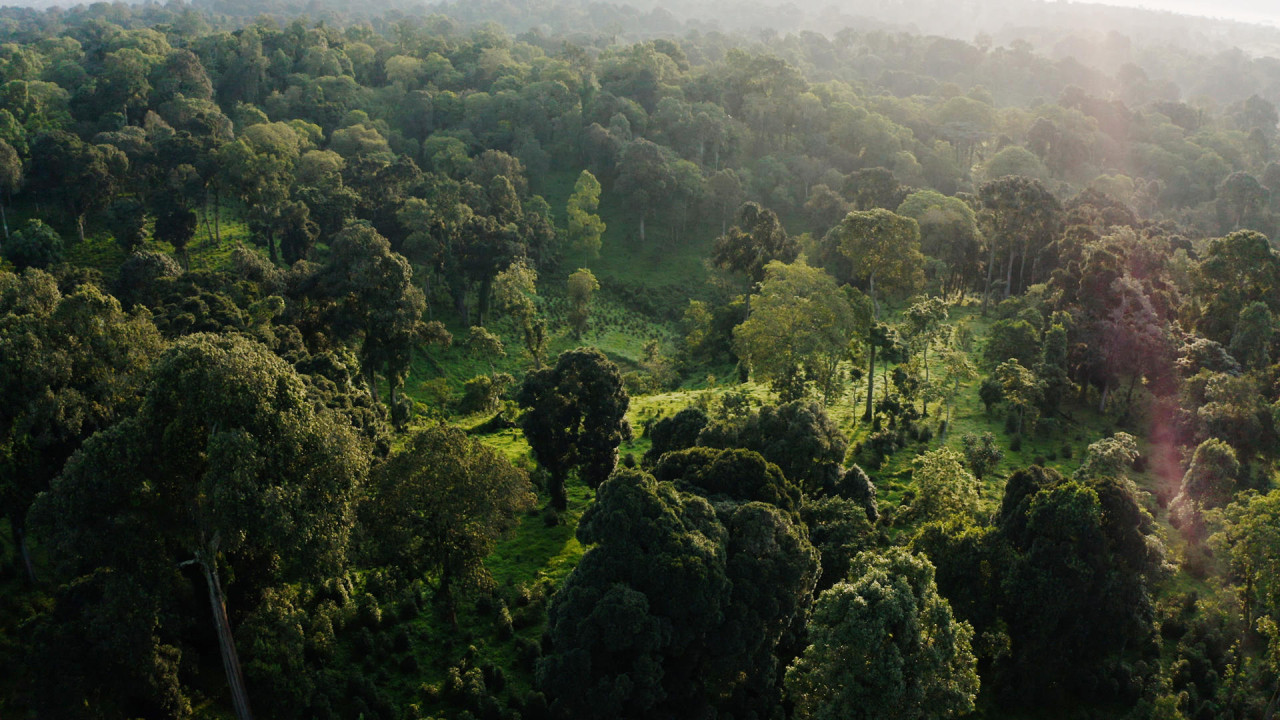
column 1251, row 340
column 799, row 329
column 517, row 295
column 228, row 466
column 70, row 366
column 924, row 325
column 645, row 177
column 35, row 246
column 679, row 607
column 1250, row 541
column 981, row 453
column 582, row 285
column 176, row 226
column 1021, row 389
column 880, row 336
column 575, row 418
column 440, row 504
column 1235, row 271
column 371, row 301
column 799, row 437
column 483, row 344
column 757, row 240
column 884, row 644
column 83, row 175
column 10, row 180
column 1240, row 196
column 1093, row 535
column 1209, row 482
column 883, row 247
column 127, row 218
column 944, row 488
column 1021, row 218
column 677, row 432
column 1108, row 458
column 585, row 227
column 949, row 232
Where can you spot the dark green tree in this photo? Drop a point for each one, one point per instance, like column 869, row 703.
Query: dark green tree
column 438, row 506
column 575, row 418
column 227, row 467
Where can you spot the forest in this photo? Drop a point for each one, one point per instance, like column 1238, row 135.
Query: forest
column 543, row 359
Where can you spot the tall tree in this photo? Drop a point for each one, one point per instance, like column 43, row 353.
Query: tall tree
column 10, row 180
column 70, row 366
column 575, row 418
column 799, row 330
column 885, row 644
column 585, row 227
column 440, row 505
column 371, row 301
column 227, row 466
column 1022, row 219
column 582, row 285
column 756, row 240
column 884, row 248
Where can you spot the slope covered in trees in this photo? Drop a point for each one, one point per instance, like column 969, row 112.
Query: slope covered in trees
column 399, row 362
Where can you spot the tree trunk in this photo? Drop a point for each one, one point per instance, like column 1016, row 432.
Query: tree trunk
column 460, row 306
column 1102, row 400
column 20, row 541
column 871, row 381
column 642, row 228
column 1128, row 396
column 924, row 401
column 1008, row 274
column 226, row 643
column 991, row 264
column 80, row 226
column 371, row 379
column 559, row 498
column 217, row 215
column 1022, row 269
column 871, row 291
column 5, row 220
column 208, row 228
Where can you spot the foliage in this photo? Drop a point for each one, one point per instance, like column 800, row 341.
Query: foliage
column 884, row 644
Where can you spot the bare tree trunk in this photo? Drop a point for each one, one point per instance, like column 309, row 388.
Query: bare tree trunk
column 1008, row 274
column 371, row 379
column 80, row 226
column 217, row 215
column 20, row 540
column 1102, row 400
column 5, row 220
column 226, row 643
column 1022, row 269
column 871, row 381
column 871, row 287
column 991, row 264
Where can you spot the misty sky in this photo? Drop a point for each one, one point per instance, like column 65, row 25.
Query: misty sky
column 1265, row 11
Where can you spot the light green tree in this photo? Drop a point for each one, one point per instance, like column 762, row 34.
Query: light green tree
column 582, row 286
column 944, row 486
column 884, row 249
column 800, row 327
column 884, row 645
column 585, row 227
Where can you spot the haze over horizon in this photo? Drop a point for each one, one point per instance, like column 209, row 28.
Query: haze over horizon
column 1250, row 11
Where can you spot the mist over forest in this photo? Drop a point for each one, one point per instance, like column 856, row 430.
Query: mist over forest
column 550, row 359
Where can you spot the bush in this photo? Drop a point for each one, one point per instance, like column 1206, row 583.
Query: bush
column 484, row 393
